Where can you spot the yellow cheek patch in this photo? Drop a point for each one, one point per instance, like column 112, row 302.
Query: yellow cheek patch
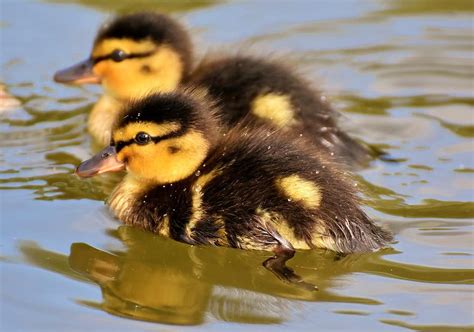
column 129, row 79
column 155, row 163
column 107, row 46
column 275, row 108
column 152, row 129
column 300, row 190
column 281, row 226
column 139, row 160
column 167, row 67
column 172, row 167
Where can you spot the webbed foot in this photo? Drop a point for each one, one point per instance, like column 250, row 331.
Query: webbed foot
column 277, row 265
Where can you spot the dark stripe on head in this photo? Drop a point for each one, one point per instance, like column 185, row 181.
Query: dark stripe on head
column 125, row 56
column 187, row 107
column 161, row 29
column 155, row 139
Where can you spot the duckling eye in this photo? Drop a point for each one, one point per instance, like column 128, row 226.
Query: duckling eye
column 142, row 138
column 118, row 55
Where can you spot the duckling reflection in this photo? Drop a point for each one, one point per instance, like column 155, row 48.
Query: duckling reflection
column 160, row 280
column 168, row 284
column 143, row 289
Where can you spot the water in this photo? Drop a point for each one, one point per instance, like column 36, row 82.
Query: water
column 401, row 74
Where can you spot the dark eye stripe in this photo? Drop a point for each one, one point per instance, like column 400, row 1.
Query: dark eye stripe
column 127, row 56
column 155, row 139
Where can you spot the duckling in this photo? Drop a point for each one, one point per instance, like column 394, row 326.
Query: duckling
column 142, row 52
column 247, row 188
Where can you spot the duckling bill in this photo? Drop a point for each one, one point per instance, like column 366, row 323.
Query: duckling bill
column 245, row 188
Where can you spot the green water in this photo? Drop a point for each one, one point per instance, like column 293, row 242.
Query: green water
column 400, row 72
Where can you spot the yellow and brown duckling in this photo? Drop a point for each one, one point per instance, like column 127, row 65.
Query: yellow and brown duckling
column 142, row 52
column 247, row 188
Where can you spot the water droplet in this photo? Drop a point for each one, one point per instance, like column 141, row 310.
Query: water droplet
column 301, row 135
column 317, row 172
column 198, row 172
column 332, row 153
column 269, row 147
column 289, row 199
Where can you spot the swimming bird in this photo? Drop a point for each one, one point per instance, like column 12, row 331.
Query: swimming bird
column 142, row 52
column 248, row 188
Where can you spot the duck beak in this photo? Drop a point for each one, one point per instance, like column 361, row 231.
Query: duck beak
column 80, row 73
column 103, row 162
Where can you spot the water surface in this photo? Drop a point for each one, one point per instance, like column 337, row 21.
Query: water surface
column 401, row 74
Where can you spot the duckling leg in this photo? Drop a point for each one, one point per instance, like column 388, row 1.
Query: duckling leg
column 276, row 264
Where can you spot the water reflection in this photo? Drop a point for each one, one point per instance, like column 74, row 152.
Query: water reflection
column 157, row 279
column 144, row 287
column 127, row 6
column 426, row 7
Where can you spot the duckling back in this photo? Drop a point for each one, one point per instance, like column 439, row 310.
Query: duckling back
column 263, row 178
column 263, row 92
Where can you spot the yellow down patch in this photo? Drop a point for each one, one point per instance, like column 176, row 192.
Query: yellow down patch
column 300, row 190
column 274, row 107
column 164, row 228
column 281, row 226
column 123, row 197
column 197, row 211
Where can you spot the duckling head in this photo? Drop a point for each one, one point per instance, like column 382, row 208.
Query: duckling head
column 133, row 55
column 162, row 138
